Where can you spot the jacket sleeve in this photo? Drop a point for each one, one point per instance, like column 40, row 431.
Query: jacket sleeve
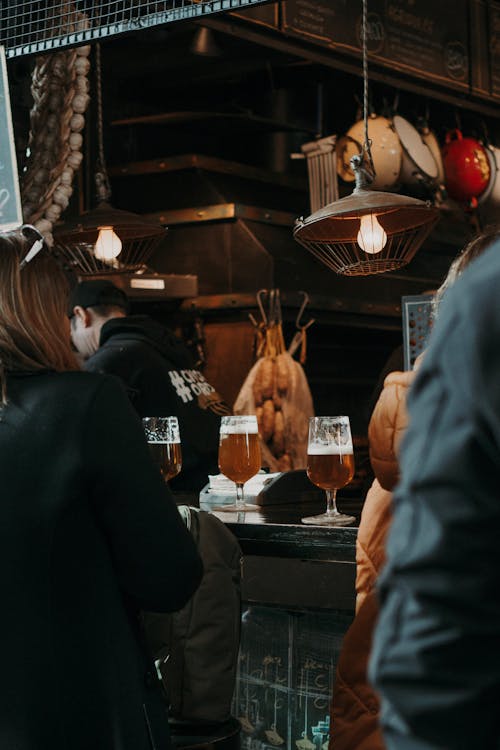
column 387, row 427
column 370, row 542
column 436, row 654
column 154, row 555
column 355, row 704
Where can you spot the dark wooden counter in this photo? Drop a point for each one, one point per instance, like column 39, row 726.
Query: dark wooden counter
column 277, row 531
column 298, row 595
column 290, row 564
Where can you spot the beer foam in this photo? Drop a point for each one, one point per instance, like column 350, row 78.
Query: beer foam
column 162, row 441
column 333, row 449
column 245, row 424
column 239, row 429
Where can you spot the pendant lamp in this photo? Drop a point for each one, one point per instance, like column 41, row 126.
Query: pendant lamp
column 205, row 44
column 106, row 239
column 369, row 231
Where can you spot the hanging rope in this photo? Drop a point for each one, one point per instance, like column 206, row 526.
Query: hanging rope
column 101, row 175
column 364, row 34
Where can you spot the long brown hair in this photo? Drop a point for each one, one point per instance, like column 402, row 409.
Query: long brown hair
column 33, row 304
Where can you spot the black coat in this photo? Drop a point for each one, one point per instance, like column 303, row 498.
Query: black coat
column 89, row 534
column 436, row 654
column 161, row 381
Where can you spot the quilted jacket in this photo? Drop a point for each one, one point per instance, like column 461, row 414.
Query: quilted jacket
column 355, row 705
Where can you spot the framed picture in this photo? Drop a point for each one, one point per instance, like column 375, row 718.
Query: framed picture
column 417, row 325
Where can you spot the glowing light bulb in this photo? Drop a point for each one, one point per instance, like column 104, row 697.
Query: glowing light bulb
column 371, row 236
column 108, row 245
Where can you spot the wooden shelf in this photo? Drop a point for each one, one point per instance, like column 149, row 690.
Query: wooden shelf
column 208, row 164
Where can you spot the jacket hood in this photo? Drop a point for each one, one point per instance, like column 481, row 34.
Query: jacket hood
column 144, row 329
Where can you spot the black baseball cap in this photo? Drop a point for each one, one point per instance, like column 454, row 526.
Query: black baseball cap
column 95, row 293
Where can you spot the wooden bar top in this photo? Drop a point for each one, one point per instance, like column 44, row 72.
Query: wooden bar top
column 277, row 530
column 288, row 563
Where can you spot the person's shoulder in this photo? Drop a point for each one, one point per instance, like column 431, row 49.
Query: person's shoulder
column 72, row 392
column 399, row 378
column 109, row 354
column 81, row 383
column 74, row 378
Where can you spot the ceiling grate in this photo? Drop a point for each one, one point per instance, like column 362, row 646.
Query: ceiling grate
column 32, row 26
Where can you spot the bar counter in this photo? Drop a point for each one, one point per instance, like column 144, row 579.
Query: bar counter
column 298, row 600
column 278, row 531
column 288, row 563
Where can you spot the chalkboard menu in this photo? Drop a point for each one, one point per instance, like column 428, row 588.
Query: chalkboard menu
column 427, row 38
column 319, row 20
column 494, row 28
column 263, row 15
column 10, row 202
column 479, row 48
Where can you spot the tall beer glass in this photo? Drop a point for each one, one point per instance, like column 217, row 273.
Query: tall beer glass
column 330, row 465
column 239, row 455
column 163, row 436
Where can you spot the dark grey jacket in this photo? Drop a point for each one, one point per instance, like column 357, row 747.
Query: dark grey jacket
column 89, row 534
column 436, row 655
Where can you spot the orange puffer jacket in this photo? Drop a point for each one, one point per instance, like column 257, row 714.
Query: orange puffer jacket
column 354, row 719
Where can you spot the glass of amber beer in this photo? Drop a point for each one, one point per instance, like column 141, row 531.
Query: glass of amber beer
column 330, row 465
column 163, row 436
column 239, row 455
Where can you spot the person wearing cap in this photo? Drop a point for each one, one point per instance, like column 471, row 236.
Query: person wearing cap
column 155, row 367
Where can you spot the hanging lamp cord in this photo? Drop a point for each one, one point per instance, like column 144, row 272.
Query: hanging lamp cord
column 103, row 186
column 364, row 34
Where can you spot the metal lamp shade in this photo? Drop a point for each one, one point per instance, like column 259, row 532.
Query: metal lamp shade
column 204, row 43
column 75, row 241
column 331, row 233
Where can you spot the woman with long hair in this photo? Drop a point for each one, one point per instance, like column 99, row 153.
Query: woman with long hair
column 89, row 533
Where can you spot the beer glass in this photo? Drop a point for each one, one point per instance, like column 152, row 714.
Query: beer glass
column 162, row 434
column 330, row 465
column 239, row 455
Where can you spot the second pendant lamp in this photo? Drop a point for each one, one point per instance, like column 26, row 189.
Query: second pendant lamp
column 369, row 231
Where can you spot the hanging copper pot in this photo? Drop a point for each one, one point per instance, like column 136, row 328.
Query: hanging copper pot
column 466, row 166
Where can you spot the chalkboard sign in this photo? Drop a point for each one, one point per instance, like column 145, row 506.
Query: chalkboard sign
column 263, row 15
column 10, row 201
column 424, row 37
column 479, row 48
column 318, row 20
column 494, row 24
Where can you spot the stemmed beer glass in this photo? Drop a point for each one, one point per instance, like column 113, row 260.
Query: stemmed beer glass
column 330, row 465
column 239, row 455
column 163, row 436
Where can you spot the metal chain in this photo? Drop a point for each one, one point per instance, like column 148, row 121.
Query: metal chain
column 101, row 176
column 364, row 35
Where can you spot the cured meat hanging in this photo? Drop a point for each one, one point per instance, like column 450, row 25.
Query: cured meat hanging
column 276, row 389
